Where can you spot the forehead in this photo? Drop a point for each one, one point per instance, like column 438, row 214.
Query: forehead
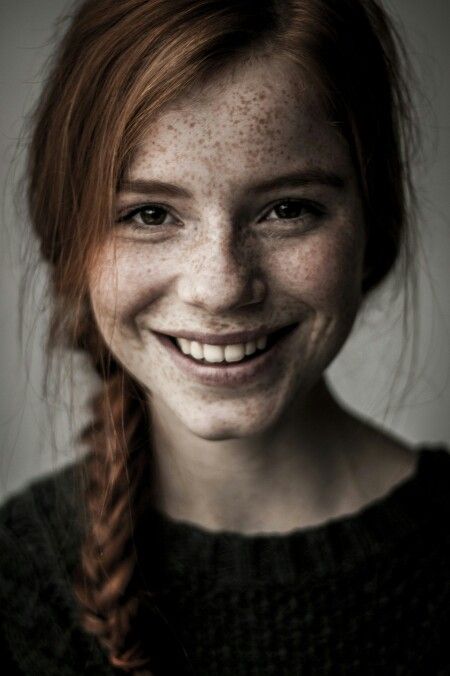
column 262, row 117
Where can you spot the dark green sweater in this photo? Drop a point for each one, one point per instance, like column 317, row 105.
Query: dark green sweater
column 364, row 594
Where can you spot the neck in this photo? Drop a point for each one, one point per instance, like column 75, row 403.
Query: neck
column 294, row 475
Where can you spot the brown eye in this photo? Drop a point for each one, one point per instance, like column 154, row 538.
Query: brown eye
column 294, row 209
column 151, row 214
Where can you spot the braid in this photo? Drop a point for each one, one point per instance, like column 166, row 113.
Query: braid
column 115, row 473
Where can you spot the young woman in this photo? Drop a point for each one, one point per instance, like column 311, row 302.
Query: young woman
column 217, row 187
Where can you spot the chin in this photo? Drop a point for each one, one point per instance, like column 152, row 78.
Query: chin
column 232, row 426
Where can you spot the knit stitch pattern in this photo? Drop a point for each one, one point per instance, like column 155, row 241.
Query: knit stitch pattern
column 368, row 593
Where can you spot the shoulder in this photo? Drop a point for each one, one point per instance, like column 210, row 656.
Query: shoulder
column 404, row 487
column 418, row 507
column 40, row 530
column 382, row 461
column 44, row 514
column 38, row 533
column 420, row 473
column 432, row 477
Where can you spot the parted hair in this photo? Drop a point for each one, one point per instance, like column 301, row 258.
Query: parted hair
column 117, row 65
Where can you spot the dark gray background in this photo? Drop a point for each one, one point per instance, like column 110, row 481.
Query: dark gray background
column 362, row 374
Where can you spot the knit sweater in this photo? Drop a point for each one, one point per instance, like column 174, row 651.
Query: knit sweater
column 368, row 593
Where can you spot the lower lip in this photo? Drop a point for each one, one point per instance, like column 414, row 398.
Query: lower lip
column 235, row 373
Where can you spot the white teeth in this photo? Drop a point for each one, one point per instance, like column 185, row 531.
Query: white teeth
column 250, row 347
column 185, row 345
column 234, row 352
column 220, row 353
column 196, row 350
column 261, row 342
column 213, row 353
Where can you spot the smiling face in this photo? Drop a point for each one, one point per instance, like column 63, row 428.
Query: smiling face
column 234, row 245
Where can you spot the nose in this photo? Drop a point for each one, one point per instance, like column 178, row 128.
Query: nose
column 221, row 274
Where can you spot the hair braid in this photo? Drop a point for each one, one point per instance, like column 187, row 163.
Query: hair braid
column 106, row 583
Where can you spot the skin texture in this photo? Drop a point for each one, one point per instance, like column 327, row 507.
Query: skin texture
column 279, row 452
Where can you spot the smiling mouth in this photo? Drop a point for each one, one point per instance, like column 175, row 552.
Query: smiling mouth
column 272, row 339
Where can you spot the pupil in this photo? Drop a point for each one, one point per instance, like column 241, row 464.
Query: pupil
column 149, row 218
column 289, row 209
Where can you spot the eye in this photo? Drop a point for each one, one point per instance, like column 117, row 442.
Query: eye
column 147, row 215
column 294, row 209
column 143, row 217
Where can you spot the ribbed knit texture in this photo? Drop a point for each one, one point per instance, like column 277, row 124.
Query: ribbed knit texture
column 364, row 594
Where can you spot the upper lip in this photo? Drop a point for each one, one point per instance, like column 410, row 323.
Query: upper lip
column 225, row 338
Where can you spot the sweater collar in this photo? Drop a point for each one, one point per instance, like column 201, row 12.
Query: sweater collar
column 416, row 505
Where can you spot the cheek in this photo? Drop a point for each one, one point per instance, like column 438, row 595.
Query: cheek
column 324, row 271
column 124, row 280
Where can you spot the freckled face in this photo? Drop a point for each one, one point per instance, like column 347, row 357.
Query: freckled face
column 227, row 256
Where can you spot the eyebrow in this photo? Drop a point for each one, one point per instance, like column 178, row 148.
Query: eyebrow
column 293, row 180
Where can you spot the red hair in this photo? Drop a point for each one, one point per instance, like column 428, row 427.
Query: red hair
column 119, row 63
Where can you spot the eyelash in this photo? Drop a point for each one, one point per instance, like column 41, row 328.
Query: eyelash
column 312, row 208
